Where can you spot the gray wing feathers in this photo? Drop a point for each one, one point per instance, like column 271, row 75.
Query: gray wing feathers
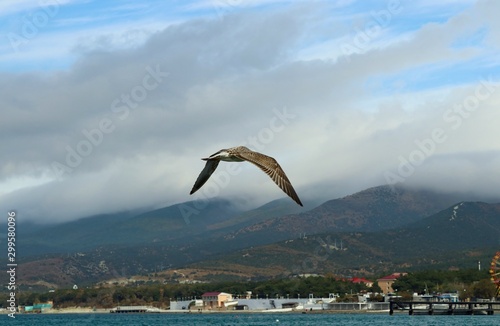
column 205, row 175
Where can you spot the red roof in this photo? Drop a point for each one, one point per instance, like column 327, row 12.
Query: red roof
column 392, row 277
column 210, row 294
column 360, row 280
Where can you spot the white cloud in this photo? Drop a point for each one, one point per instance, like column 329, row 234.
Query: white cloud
column 225, row 82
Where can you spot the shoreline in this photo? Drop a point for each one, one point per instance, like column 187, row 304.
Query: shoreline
column 76, row 310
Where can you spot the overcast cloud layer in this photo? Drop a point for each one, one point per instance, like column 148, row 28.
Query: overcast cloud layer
column 114, row 111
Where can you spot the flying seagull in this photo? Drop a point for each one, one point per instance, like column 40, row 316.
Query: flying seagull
column 240, row 154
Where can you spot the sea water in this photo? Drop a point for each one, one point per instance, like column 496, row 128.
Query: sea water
column 254, row 319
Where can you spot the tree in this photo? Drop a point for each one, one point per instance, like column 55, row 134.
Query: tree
column 484, row 289
column 376, row 288
column 409, row 283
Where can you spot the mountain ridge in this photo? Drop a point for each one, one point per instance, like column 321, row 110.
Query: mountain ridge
column 220, row 229
column 473, row 235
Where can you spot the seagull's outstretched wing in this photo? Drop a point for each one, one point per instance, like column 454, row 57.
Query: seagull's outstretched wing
column 272, row 169
column 205, row 175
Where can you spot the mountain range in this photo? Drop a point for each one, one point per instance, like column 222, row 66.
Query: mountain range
column 457, row 237
column 375, row 230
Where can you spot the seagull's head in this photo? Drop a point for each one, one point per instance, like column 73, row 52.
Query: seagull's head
column 223, row 153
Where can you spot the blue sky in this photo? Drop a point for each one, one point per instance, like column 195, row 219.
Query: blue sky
column 363, row 83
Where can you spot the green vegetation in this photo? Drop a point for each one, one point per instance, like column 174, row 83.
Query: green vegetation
column 469, row 283
column 160, row 294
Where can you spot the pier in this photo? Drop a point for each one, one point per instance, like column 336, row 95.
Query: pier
column 445, row 308
column 133, row 309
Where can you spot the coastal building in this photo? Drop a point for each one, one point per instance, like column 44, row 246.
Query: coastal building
column 215, row 299
column 36, row 308
column 385, row 283
column 282, row 304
